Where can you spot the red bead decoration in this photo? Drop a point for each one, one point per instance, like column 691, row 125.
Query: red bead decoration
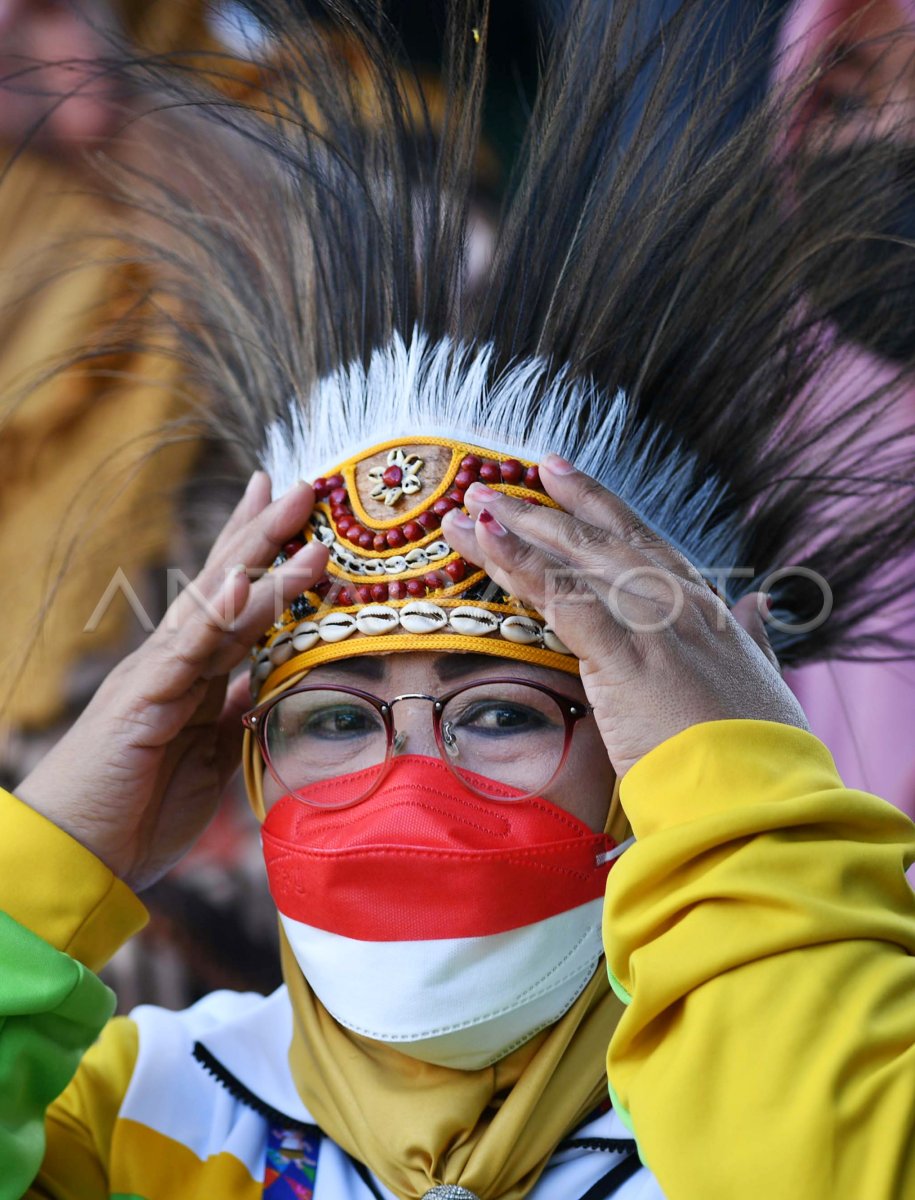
column 532, row 477
column 490, row 473
column 346, row 595
column 471, row 462
column 364, row 592
column 320, row 487
column 397, row 590
column 442, row 506
column 337, row 496
column 511, row 470
column 392, row 476
column 433, row 581
column 366, row 539
column 334, row 481
column 379, row 592
column 345, row 522
column 428, row 520
column 322, row 587
column 464, row 479
column 456, row 498
column 413, row 531
column 456, row 570
column 380, row 542
column 355, row 532
column 416, row 587
column 395, row 539
column 293, row 546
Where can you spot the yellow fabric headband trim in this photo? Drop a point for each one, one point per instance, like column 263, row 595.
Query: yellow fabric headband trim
column 444, row 642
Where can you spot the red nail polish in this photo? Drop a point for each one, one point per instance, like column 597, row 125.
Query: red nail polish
column 489, row 521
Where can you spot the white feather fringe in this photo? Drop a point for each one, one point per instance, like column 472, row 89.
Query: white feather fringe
column 445, row 390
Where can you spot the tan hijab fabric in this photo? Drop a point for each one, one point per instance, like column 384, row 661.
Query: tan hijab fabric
column 416, row 1125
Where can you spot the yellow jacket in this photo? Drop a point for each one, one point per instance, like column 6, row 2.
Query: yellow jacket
column 763, row 928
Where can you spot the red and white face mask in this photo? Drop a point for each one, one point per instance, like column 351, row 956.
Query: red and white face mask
column 429, row 918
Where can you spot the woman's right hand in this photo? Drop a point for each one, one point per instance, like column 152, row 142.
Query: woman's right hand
column 137, row 778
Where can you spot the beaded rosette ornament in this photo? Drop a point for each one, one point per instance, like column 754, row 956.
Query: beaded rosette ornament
column 391, row 577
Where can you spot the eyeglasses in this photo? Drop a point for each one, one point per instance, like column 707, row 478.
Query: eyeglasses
column 492, row 734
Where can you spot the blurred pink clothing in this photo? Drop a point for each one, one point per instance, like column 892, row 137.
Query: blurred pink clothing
column 865, row 714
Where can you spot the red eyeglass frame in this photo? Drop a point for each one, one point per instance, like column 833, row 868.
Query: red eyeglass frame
column 573, row 711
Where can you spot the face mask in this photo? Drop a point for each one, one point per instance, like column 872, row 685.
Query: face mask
column 429, row 918
column 866, row 285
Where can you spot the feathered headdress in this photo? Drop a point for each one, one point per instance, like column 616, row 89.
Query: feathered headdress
column 359, row 317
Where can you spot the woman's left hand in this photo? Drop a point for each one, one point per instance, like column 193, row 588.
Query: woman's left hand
column 658, row 650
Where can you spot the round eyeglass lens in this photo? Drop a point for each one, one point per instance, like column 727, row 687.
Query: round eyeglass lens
column 507, row 733
column 326, row 747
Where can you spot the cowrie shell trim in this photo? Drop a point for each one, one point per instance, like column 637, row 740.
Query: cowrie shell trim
column 335, row 627
column 473, row 621
column 522, row 630
column 282, row 650
column 305, row 635
column 419, row 617
column 357, row 564
column 423, row 617
column 377, row 618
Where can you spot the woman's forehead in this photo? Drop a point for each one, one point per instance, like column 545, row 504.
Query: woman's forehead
column 448, row 667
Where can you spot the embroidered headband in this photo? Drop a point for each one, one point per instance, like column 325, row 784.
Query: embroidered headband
column 410, row 430
column 392, row 582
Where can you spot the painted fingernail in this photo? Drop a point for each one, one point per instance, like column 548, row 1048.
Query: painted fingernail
column 490, row 523
column 458, row 519
column 481, row 493
column 557, row 465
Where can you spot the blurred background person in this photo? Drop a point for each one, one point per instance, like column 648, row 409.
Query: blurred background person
column 83, row 434
column 864, row 711
column 862, row 105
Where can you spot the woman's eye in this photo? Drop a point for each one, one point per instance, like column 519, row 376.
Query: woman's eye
column 337, row 723
column 500, row 718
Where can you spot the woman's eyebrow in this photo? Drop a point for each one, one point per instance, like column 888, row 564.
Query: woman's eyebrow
column 454, row 666
column 367, row 666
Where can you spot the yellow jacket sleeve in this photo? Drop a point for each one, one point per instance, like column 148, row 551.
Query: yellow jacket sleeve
column 62, row 914
column 762, row 932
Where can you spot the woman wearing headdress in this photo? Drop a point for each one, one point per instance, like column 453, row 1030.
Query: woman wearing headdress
column 479, row 669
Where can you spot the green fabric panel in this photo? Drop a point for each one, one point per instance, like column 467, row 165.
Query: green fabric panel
column 619, row 1110
column 51, row 1009
column 626, row 1119
column 618, row 988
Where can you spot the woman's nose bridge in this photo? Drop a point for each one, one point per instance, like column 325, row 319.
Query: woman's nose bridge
column 413, row 723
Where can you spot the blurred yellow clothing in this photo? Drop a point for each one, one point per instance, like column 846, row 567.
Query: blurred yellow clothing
column 80, row 495
column 73, row 452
